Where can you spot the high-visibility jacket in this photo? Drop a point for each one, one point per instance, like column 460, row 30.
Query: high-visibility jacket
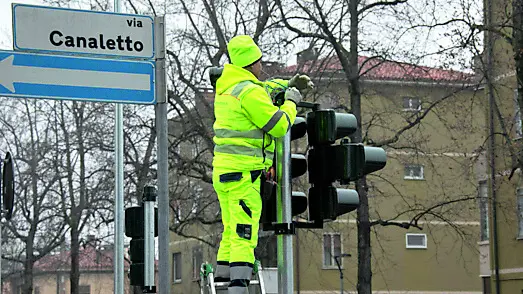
column 247, row 121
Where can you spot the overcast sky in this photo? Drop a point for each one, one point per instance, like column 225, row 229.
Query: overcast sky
column 6, row 24
column 427, row 43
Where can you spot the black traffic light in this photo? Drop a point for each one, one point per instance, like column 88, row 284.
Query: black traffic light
column 329, row 163
column 298, row 168
column 8, row 186
column 135, row 229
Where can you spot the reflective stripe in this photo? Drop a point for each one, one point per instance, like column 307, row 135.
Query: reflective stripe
column 273, row 121
column 251, row 134
column 238, row 88
column 241, row 150
column 241, row 272
column 222, row 271
column 288, row 121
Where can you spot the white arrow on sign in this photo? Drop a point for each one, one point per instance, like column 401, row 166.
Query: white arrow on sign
column 10, row 74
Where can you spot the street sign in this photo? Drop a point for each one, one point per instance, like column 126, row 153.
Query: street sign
column 74, row 78
column 52, row 29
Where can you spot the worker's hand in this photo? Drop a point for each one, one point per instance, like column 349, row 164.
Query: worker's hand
column 293, row 94
column 302, row 83
column 272, row 172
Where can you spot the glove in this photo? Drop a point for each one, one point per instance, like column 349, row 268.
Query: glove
column 293, row 95
column 302, row 83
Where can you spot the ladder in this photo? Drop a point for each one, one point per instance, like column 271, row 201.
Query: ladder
column 209, row 286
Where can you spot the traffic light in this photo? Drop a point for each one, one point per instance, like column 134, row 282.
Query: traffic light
column 135, row 229
column 328, row 163
column 298, row 168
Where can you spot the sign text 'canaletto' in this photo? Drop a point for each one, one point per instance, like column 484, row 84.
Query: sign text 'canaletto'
column 78, row 31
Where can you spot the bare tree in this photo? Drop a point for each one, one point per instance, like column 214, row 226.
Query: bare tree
column 37, row 227
column 337, row 28
column 86, row 185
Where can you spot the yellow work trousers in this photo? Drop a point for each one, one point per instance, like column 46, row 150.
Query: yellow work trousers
column 241, row 206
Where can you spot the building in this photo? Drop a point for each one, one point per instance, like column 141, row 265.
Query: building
column 501, row 182
column 429, row 185
column 51, row 273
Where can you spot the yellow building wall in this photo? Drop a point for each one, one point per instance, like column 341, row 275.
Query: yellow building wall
column 448, row 264
column 446, row 143
column 101, row 283
column 509, row 247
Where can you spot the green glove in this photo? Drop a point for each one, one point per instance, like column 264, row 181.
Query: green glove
column 301, row 82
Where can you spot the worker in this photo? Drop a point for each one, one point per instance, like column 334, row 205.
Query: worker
column 246, row 124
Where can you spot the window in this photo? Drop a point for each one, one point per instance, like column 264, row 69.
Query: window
column 331, row 248
column 197, row 260
column 520, row 212
column 416, row 240
column 483, row 211
column 177, row 267
column 517, row 116
column 84, row 289
column 413, row 172
column 411, row 104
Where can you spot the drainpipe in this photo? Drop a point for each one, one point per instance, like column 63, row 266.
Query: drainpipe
column 492, row 143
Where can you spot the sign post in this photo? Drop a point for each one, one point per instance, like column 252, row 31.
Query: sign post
column 164, row 281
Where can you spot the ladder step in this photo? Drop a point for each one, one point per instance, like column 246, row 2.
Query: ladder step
column 221, row 285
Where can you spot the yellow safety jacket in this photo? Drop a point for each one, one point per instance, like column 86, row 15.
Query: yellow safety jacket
column 247, row 121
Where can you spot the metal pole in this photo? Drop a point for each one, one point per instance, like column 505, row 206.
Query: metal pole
column 1, row 286
column 164, row 277
column 119, row 205
column 284, row 215
column 149, row 198
column 341, row 281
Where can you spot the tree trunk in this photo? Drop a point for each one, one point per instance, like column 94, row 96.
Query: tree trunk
column 364, row 284
column 75, row 266
column 517, row 46
column 364, row 246
column 28, row 270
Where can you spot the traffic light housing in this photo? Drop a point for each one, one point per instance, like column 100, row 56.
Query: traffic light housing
column 298, row 168
column 329, row 162
column 135, row 229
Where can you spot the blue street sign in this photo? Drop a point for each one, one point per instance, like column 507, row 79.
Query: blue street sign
column 74, row 78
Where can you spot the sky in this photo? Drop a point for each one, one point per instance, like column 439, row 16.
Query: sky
column 6, row 24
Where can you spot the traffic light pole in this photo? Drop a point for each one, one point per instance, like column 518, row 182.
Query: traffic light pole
column 284, row 215
column 164, row 278
column 149, row 200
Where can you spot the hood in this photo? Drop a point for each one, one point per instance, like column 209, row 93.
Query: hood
column 233, row 75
